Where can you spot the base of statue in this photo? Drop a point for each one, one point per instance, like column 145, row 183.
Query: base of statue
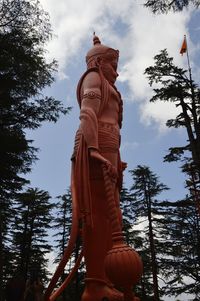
column 99, row 290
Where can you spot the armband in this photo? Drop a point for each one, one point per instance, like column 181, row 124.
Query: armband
column 92, row 95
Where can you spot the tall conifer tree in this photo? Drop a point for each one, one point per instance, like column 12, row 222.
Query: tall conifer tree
column 177, row 86
column 63, row 223
column 146, row 188
column 30, row 232
column 24, row 73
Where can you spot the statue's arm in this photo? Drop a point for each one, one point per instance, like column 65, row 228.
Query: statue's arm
column 90, row 105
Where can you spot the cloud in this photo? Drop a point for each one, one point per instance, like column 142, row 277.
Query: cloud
column 129, row 27
column 129, row 145
column 149, row 34
column 157, row 113
column 71, row 22
column 51, row 265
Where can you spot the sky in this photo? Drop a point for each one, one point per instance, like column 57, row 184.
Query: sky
column 138, row 35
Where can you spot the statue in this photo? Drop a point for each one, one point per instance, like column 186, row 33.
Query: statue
column 97, row 143
column 97, row 180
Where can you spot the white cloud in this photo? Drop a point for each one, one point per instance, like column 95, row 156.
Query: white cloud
column 74, row 21
column 158, row 113
column 71, row 21
column 133, row 29
column 148, row 35
column 129, row 145
column 51, row 265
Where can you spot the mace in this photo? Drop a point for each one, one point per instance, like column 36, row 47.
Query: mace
column 123, row 265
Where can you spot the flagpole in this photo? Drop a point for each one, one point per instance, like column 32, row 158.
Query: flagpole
column 192, row 91
column 189, row 68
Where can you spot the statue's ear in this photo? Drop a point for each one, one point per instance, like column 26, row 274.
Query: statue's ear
column 98, row 61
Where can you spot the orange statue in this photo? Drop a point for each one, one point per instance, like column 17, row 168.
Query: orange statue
column 96, row 183
column 96, row 149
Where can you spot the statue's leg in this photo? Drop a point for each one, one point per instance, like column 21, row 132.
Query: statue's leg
column 96, row 243
column 97, row 238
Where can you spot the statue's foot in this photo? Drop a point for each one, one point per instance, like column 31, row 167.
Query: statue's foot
column 99, row 290
column 120, row 293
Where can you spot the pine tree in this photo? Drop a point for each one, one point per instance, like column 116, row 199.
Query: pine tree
column 178, row 87
column 128, row 214
column 132, row 232
column 183, row 259
column 6, row 255
column 63, row 223
column 30, row 232
column 146, row 188
column 24, row 73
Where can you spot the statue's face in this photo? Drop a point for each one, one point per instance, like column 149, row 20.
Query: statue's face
column 109, row 69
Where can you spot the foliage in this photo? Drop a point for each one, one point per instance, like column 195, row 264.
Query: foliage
column 24, row 73
column 128, row 214
column 30, row 228
column 62, row 224
column 165, row 6
column 182, row 254
column 145, row 189
column 177, row 87
column 180, row 262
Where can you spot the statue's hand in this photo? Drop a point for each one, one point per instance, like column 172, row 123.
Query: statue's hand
column 94, row 153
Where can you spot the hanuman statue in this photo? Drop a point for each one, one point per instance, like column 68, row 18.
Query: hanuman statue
column 97, row 143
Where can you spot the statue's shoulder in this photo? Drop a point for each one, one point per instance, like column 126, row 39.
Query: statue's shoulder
column 91, row 78
column 90, row 73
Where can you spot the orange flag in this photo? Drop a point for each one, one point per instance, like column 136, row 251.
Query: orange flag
column 184, row 46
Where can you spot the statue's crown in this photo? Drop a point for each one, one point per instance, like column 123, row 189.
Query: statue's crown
column 100, row 50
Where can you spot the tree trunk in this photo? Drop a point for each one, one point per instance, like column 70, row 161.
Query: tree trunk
column 154, row 263
column 1, row 260
column 152, row 249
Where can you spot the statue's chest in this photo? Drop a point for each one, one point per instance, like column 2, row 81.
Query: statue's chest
column 114, row 100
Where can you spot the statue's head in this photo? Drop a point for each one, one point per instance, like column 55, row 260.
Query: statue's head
column 103, row 57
